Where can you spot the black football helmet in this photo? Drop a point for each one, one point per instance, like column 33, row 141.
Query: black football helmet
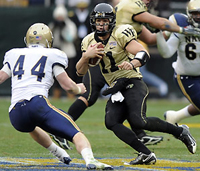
column 103, row 10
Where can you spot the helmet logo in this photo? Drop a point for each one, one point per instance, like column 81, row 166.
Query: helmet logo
column 100, row 14
column 35, row 32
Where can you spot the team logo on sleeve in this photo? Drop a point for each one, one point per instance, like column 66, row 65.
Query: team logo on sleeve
column 112, row 44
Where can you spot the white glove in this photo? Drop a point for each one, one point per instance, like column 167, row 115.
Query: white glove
column 190, row 31
column 117, row 97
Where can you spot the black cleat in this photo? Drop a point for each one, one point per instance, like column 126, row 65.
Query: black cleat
column 151, row 140
column 63, row 143
column 187, row 139
column 144, row 159
column 66, row 160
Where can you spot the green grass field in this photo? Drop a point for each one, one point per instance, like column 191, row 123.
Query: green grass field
column 105, row 144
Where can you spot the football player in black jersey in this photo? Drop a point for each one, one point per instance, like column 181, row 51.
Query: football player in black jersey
column 122, row 57
column 133, row 12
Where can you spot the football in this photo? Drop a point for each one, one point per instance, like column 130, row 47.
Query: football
column 95, row 61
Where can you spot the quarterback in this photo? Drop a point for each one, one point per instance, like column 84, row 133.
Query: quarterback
column 31, row 70
column 127, row 89
column 133, row 12
column 186, row 67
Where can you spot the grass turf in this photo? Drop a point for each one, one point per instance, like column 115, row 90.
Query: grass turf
column 104, row 143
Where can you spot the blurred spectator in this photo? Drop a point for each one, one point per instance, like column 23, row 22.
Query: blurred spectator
column 14, row 3
column 73, row 3
column 114, row 2
column 80, row 16
column 65, row 34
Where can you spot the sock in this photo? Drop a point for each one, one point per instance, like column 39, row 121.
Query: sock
column 181, row 114
column 76, row 109
column 87, row 155
column 57, row 151
column 52, row 147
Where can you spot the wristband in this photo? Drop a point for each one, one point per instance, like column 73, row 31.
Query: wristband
column 181, row 30
column 143, row 57
column 132, row 65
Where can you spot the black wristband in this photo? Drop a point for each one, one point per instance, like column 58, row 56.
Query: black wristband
column 132, row 65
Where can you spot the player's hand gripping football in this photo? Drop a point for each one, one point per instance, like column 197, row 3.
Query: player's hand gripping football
column 94, row 51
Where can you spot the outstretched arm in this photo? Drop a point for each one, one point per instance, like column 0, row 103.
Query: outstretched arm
column 66, row 82
column 164, row 24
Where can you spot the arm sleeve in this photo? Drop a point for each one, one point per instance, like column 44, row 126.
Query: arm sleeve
column 7, row 70
column 57, row 70
column 167, row 49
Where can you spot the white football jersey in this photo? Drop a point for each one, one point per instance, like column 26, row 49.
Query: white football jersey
column 188, row 53
column 187, row 48
column 32, row 70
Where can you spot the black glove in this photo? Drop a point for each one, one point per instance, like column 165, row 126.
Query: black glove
column 191, row 31
column 118, row 85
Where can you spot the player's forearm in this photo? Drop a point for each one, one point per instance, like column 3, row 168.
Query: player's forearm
column 74, row 88
column 164, row 24
column 82, row 65
column 3, row 76
column 67, row 83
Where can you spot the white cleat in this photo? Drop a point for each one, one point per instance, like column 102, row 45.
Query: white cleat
column 96, row 165
column 62, row 155
column 170, row 116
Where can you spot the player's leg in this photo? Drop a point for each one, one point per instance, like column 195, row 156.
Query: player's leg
column 21, row 119
column 94, row 82
column 137, row 116
column 116, row 113
column 190, row 87
column 84, row 148
column 59, row 123
column 44, row 140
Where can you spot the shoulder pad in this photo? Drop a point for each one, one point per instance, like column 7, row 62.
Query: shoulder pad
column 180, row 19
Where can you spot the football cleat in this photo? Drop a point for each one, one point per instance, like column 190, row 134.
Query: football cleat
column 151, row 140
column 62, row 155
column 144, row 159
column 170, row 116
column 187, row 139
column 63, row 143
column 95, row 164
